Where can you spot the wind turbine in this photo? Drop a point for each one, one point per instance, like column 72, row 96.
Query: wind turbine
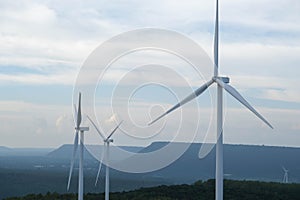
column 106, row 142
column 78, row 128
column 285, row 176
column 222, row 83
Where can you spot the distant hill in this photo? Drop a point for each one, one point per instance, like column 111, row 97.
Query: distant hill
column 233, row 190
column 5, row 151
column 23, row 174
column 2, row 148
column 65, row 151
column 240, row 162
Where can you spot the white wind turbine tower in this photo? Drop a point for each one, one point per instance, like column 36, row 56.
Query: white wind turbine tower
column 222, row 83
column 106, row 142
column 285, row 176
column 78, row 128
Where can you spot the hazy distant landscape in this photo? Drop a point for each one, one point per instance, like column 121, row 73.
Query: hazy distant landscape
column 25, row 171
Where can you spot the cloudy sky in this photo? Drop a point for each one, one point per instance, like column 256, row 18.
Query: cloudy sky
column 44, row 44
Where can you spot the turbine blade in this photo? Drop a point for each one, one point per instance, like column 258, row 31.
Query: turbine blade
column 75, row 114
column 100, row 165
column 103, row 137
column 241, row 99
column 216, row 40
column 79, row 111
column 284, row 169
column 75, row 146
column 184, row 101
column 114, row 130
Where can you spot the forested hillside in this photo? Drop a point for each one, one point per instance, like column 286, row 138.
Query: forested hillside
column 233, row 190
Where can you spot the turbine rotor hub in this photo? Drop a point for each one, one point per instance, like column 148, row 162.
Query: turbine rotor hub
column 222, row 78
column 82, row 128
column 109, row 140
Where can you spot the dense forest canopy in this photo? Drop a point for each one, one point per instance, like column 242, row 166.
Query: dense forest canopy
column 233, row 190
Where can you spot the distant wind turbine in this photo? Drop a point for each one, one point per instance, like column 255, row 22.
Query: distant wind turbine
column 222, row 83
column 285, row 176
column 78, row 128
column 106, row 142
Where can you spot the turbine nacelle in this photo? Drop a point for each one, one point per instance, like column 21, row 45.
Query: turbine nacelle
column 82, row 128
column 223, row 79
column 108, row 140
column 285, row 170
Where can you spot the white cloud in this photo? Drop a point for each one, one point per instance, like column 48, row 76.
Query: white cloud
column 112, row 119
column 54, row 79
column 70, row 31
column 41, row 124
column 34, row 123
column 30, row 13
column 48, row 41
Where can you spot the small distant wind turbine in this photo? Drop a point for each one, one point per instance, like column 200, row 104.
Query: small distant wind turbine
column 78, row 128
column 222, row 83
column 106, row 142
column 285, row 176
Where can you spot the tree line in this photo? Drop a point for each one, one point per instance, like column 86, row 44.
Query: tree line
column 200, row 190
